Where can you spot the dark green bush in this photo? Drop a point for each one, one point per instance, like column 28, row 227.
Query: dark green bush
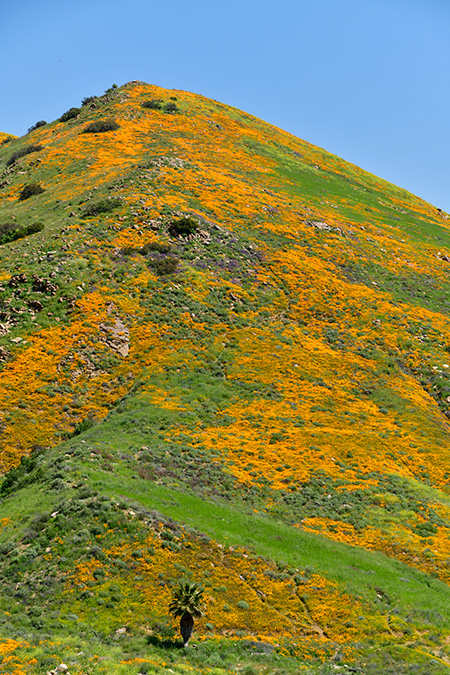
column 155, row 246
column 30, row 190
column 24, row 151
column 21, row 475
column 6, row 548
column 6, row 229
column 147, row 248
column 41, row 123
column 82, row 426
column 171, row 108
column 6, row 140
column 87, row 100
column 153, row 104
column 12, row 231
column 101, row 206
column 69, row 114
column 130, row 250
column 100, row 126
column 183, row 227
column 164, row 266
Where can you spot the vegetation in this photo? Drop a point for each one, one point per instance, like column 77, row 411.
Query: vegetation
column 186, row 605
column 157, row 104
column 183, row 227
column 171, row 108
column 223, row 363
column 94, row 208
column 165, row 265
column 88, row 100
column 100, row 126
column 30, row 190
column 152, row 104
column 41, row 123
column 23, row 152
column 13, row 231
column 70, row 114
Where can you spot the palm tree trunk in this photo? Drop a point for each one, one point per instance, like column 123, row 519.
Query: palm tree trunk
column 186, row 626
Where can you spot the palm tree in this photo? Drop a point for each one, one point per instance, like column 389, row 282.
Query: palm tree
column 187, row 604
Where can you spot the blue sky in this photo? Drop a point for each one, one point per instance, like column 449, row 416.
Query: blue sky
column 365, row 79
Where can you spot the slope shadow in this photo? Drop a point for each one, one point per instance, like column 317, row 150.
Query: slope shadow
column 164, row 643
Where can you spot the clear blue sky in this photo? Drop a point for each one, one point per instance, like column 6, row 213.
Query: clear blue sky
column 365, row 79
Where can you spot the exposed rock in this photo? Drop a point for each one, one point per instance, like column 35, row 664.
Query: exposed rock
column 17, row 279
column 62, row 668
column 320, row 225
column 35, row 305
column 41, row 285
column 71, row 302
column 116, row 336
column 5, row 327
column 4, row 354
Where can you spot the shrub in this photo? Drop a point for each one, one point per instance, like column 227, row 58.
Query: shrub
column 171, row 108
column 12, row 231
column 101, row 206
column 130, row 250
column 21, row 475
column 100, row 126
column 41, row 123
column 154, row 246
column 183, row 227
column 69, row 114
column 165, row 266
column 164, row 630
column 6, row 140
column 153, row 104
column 243, row 605
column 87, row 100
column 6, row 229
column 21, row 153
column 6, row 548
column 30, row 190
column 82, row 426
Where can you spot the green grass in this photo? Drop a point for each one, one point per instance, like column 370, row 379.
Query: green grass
column 358, row 570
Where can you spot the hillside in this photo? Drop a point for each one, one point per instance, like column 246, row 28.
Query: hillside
column 225, row 356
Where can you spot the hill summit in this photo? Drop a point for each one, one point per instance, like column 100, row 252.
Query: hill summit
column 225, row 358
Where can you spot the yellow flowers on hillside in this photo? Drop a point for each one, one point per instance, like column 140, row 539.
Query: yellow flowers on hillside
column 316, row 294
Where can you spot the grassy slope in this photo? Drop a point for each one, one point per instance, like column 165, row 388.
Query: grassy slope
column 293, row 371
